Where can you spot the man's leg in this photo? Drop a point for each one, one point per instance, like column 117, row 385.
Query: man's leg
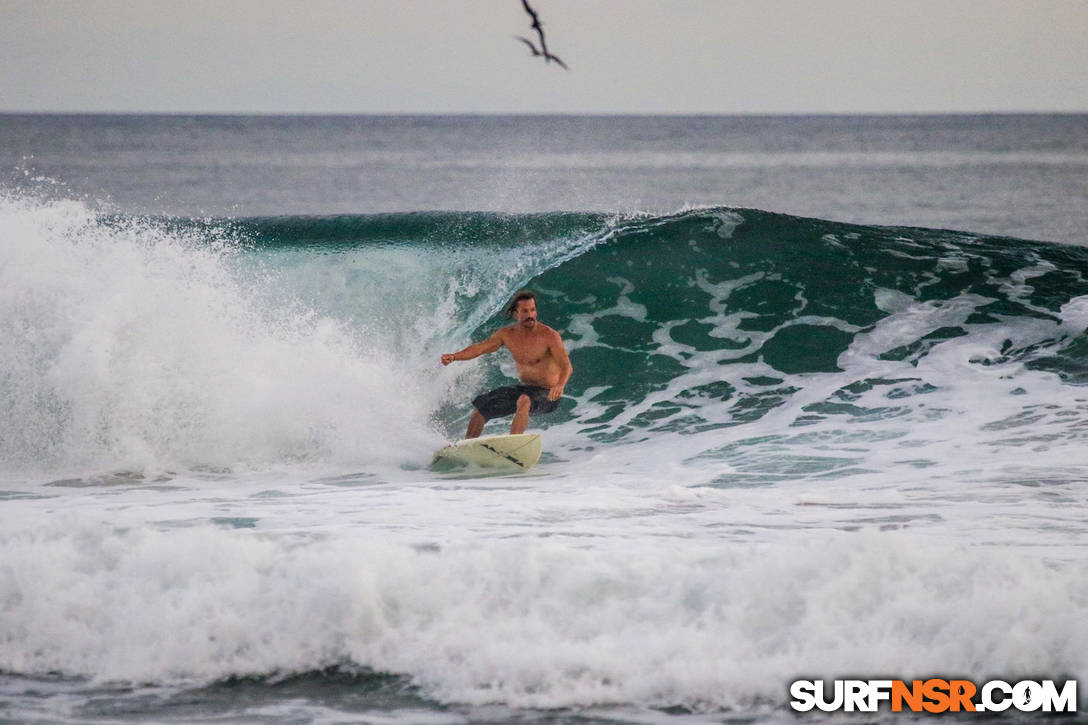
column 521, row 417
column 475, row 425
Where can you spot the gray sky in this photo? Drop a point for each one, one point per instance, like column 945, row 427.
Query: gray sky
column 626, row 56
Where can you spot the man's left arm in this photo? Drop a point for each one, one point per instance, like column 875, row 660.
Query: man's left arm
column 559, row 352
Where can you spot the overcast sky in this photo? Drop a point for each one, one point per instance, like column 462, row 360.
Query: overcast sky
column 625, row 56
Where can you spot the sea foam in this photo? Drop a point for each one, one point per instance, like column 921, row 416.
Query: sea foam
column 129, row 346
column 531, row 622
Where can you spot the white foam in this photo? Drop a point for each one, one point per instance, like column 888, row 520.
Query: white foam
column 532, row 622
column 129, row 347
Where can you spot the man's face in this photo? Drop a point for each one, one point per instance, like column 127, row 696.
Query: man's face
column 525, row 314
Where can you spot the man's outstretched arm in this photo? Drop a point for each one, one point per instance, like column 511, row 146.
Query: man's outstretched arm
column 489, row 345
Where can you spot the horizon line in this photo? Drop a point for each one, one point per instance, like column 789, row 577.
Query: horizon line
column 543, row 114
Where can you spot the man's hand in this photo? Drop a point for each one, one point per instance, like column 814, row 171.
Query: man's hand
column 556, row 392
column 447, row 358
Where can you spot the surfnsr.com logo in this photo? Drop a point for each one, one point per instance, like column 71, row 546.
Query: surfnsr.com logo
column 934, row 695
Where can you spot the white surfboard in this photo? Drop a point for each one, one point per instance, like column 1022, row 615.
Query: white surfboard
column 513, row 452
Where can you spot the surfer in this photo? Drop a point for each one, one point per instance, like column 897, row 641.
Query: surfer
column 543, row 367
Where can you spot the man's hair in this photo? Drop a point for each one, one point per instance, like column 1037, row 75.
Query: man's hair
column 512, row 308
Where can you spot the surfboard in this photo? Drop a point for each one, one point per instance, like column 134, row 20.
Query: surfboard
column 512, row 452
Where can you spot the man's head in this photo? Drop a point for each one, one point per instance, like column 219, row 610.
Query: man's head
column 522, row 308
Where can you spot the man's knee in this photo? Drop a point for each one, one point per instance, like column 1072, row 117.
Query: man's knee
column 524, row 401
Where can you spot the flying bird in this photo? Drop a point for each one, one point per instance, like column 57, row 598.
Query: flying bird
column 543, row 49
column 536, row 51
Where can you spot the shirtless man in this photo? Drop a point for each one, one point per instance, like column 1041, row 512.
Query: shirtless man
column 543, row 367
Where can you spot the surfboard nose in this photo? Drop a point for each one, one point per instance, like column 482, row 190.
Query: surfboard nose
column 513, row 452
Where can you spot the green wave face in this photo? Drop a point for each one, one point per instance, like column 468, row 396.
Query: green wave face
column 704, row 319
column 714, row 318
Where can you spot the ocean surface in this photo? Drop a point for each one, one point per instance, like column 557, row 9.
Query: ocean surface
column 829, row 415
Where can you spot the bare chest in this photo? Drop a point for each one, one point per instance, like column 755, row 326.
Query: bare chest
column 528, row 351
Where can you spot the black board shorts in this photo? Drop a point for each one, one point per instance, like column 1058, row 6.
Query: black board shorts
column 504, row 401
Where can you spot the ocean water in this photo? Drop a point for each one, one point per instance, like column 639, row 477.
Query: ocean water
column 829, row 416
